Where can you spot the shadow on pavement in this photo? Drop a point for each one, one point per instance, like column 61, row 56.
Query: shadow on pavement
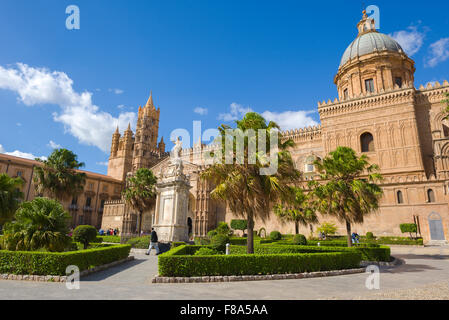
column 102, row 275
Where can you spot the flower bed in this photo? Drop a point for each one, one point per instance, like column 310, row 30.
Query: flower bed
column 180, row 262
column 55, row 263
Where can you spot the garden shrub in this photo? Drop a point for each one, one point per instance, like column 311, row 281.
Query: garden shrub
column 139, row 242
column 112, row 239
column 369, row 235
column 219, row 241
column 55, row 263
column 175, row 244
column 300, row 239
column 181, row 262
column 205, row 251
column 409, row 227
column 239, row 224
column 201, row 241
column 223, row 228
column 212, row 233
column 238, row 241
column 275, row 235
column 380, row 253
column 85, row 234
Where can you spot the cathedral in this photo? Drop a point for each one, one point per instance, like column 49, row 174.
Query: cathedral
column 379, row 112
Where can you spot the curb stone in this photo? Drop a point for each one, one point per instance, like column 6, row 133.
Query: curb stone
column 205, row 279
column 50, row 278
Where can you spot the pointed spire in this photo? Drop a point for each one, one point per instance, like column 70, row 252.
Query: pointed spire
column 116, row 130
column 129, row 126
column 150, row 100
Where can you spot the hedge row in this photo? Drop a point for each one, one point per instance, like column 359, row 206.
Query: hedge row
column 179, row 262
column 112, row 239
column 55, row 263
column 367, row 254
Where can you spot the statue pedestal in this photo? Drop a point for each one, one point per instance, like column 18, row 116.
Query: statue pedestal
column 172, row 205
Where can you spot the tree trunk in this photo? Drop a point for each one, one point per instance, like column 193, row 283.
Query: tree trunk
column 296, row 227
column 250, row 239
column 139, row 221
column 348, row 231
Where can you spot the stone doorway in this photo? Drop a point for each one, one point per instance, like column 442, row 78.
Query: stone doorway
column 436, row 227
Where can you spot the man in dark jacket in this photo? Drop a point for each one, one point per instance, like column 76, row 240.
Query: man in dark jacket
column 153, row 242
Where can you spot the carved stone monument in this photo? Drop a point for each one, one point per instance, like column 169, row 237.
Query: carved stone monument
column 172, row 200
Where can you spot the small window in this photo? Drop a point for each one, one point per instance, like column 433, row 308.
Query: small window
column 102, row 203
column 430, row 196
column 346, row 94
column 367, row 142
column 369, row 85
column 74, row 201
column 91, row 186
column 399, row 196
column 309, row 167
column 398, row 81
column 88, row 201
column 19, row 173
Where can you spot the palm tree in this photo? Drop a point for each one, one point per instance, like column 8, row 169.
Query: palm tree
column 139, row 192
column 39, row 224
column 10, row 196
column 58, row 176
column 350, row 191
column 299, row 208
column 240, row 182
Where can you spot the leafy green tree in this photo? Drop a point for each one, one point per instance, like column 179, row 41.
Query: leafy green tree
column 349, row 190
column 327, row 228
column 239, row 224
column 299, row 208
column 10, row 196
column 240, row 182
column 410, row 228
column 140, row 192
column 39, row 224
column 58, row 176
column 84, row 234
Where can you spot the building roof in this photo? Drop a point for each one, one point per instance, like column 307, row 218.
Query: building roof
column 29, row 162
column 369, row 43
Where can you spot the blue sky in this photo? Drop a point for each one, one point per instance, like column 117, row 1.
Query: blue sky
column 69, row 88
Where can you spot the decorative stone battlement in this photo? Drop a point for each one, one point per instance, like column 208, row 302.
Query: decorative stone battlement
column 367, row 100
column 301, row 134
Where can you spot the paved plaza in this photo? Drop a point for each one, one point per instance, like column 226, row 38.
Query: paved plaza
column 423, row 275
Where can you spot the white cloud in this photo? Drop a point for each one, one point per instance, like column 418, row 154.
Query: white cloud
column 290, row 119
column 81, row 118
column 102, row 163
column 439, row 52
column 237, row 112
column 121, row 106
column 18, row 124
column 200, row 111
column 21, row 154
column 53, row 145
column 411, row 40
column 116, row 91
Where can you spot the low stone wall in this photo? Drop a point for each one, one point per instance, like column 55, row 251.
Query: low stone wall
column 50, row 278
column 158, row 279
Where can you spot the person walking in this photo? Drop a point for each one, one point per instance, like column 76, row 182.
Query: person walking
column 153, row 243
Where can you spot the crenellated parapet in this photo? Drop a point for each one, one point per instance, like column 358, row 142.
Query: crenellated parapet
column 303, row 134
column 367, row 100
column 432, row 92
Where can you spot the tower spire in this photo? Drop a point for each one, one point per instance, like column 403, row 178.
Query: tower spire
column 150, row 100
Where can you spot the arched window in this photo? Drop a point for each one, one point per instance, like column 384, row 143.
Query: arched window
column 367, row 142
column 430, row 196
column 400, row 197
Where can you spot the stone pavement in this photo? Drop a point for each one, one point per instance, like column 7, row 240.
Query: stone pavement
column 424, row 275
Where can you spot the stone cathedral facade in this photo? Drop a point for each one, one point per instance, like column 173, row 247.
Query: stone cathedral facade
column 379, row 112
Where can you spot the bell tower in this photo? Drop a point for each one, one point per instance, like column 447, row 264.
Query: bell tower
column 146, row 148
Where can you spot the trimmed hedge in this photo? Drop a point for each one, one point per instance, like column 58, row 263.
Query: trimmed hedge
column 180, row 262
column 139, row 242
column 55, row 263
column 381, row 253
column 113, row 239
